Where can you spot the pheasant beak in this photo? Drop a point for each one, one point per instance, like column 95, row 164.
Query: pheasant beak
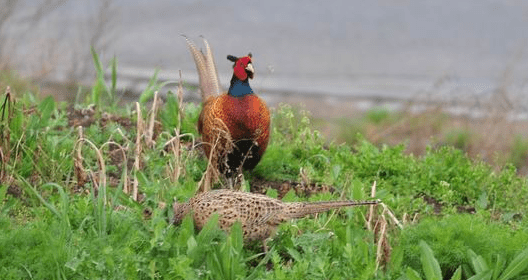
column 250, row 70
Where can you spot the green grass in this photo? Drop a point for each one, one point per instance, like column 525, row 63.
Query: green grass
column 519, row 152
column 459, row 139
column 52, row 228
column 451, row 241
column 378, row 115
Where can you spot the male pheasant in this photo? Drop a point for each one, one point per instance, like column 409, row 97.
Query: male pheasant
column 259, row 215
column 234, row 125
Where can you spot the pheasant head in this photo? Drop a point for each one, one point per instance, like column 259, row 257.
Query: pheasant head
column 242, row 71
column 243, row 67
column 180, row 211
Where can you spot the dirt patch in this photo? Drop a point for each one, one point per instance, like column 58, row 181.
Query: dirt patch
column 437, row 206
column 15, row 191
column 466, row 209
column 125, row 122
column 81, row 117
column 85, row 117
column 118, row 155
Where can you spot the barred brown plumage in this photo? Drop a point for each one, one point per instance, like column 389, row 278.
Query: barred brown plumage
column 258, row 214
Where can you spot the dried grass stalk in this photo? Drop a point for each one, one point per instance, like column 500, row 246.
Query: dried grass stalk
column 221, row 146
column 100, row 160
column 149, row 133
column 80, row 173
column 383, row 248
column 139, row 133
column 387, row 211
column 3, row 162
column 175, row 146
column 179, row 93
column 210, row 173
column 371, row 208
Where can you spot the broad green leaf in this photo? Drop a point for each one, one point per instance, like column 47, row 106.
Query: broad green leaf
column 235, row 236
column 458, row 274
column 46, row 107
column 500, row 263
column 429, row 263
column 15, row 124
column 186, row 231
column 478, row 262
column 295, row 254
column 412, row 274
column 191, row 245
column 358, row 189
column 207, row 232
column 170, row 112
column 336, row 172
column 518, row 265
column 485, row 275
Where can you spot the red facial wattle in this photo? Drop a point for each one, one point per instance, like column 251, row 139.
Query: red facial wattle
column 240, row 68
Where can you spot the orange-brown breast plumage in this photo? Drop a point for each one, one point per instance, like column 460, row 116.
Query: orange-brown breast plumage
column 247, row 119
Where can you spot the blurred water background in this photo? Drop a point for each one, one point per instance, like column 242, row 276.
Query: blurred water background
column 384, row 49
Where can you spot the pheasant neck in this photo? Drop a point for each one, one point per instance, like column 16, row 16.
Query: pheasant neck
column 239, row 88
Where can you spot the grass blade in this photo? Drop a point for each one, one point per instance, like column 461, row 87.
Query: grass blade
column 149, row 90
column 114, row 78
column 100, row 84
column 47, row 204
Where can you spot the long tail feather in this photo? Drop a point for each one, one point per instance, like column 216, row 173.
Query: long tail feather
column 304, row 209
column 205, row 65
column 211, row 67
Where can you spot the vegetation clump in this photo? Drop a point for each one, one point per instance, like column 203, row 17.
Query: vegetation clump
column 85, row 192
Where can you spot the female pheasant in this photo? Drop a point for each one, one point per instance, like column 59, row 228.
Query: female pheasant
column 258, row 214
column 234, row 125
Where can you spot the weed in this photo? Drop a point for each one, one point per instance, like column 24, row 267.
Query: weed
column 377, row 115
column 518, row 152
column 459, row 139
column 451, row 238
column 101, row 93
